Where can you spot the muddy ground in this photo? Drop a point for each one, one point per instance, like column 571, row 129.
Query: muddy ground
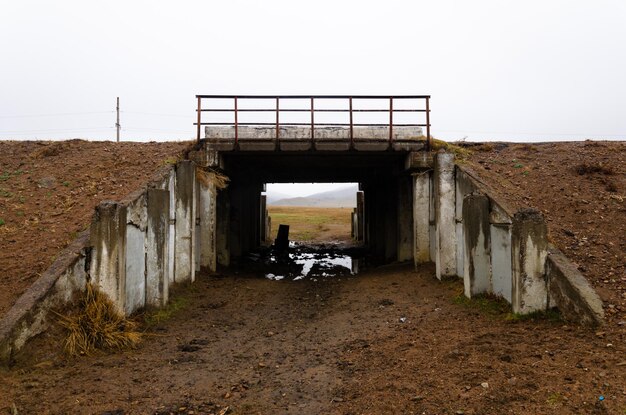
column 389, row 340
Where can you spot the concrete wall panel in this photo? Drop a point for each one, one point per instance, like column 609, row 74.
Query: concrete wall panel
column 445, row 204
column 185, row 221
column 421, row 218
column 501, row 273
column 477, row 261
column 157, row 237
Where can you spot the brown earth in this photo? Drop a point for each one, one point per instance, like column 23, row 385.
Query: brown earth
column 48, row 191
column 580, row 188
column 390, row 340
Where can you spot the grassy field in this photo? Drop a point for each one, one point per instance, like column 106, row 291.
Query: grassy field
column 312, row 224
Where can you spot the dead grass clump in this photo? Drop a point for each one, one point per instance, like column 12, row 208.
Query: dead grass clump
column 98, row 325
column 208, row 177
column 527, row 147
column 460, row 153
column 591, row 168
column 484, row 147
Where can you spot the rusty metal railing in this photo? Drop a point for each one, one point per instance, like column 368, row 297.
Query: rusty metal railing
column 237, row 110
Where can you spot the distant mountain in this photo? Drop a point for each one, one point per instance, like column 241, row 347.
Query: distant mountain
column 274, row 196
column 343, row 197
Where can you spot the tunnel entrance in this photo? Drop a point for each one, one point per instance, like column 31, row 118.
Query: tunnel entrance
column 316, row 213
column 382, row 222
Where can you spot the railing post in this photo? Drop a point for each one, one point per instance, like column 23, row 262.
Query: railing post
column 390, row 119
column 199, row 117
column 312, row 120
column 428, row 139
column 277, row 119
column 236, row 124
column 351, row 126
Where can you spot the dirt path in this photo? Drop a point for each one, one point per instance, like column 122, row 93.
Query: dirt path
column 388, row 341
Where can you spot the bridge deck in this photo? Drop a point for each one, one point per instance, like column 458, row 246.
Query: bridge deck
column 292, row 138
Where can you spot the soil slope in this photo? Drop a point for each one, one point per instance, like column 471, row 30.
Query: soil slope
column 580, row 188
column 48, row 191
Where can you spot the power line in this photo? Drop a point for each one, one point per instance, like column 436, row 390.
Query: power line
column 157, row 114
column 60, row 114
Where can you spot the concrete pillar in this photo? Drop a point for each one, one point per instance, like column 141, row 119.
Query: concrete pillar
column 445, row 236
column 353, row 225
column 529, row 250
column 108, row 238
column 477, row 240
column 157, row 236
column 501, row 266
column 171, row 238
column 222, row 230
column 421, row 218
column 405, row 218
column 185, row 222
column 263, row 216
column 268, row 230
column 135, row 281
column 207, row 227
column 360, row 216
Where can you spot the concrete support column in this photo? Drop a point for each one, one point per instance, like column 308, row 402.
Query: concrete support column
column 222, row 229
column 445, row 235
column 136, row 224
column 185, row 222
column 171, row 240
column 108, row 238
column 421, row 218
column 157, row 236
column 477, row 245
column 529, row 252
column 263, row 216
column 207, row 225
column 405, row 219
column 360, row 216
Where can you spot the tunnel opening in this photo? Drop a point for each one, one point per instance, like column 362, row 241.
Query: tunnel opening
column 380, row 223
column 319, row 221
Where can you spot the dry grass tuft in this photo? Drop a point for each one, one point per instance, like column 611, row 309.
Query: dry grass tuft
column 460, row 153
column 585, row 168
column 97, row 325
column 207, row 177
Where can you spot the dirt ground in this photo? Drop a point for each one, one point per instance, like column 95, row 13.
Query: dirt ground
column 48, row 191
column 389, row 340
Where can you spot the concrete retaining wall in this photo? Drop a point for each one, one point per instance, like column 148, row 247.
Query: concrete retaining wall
column 494, row 248
column 134, row 250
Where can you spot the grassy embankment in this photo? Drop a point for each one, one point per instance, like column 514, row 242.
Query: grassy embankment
column 312, row 224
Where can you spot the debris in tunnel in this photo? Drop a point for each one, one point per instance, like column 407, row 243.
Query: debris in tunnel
column 282, row 238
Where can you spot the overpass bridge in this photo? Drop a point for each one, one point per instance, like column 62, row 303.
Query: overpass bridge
column 413, row 204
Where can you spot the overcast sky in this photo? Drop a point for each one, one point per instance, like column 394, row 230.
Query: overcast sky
column 510, row 70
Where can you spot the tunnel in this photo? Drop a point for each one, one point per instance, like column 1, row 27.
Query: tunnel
column 384, row 204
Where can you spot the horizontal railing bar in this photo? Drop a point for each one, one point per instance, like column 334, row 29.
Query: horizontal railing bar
column 291, row 124
column 315, row 96
column 303, row 110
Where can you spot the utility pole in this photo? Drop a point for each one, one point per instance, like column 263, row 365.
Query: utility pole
column 117, row 124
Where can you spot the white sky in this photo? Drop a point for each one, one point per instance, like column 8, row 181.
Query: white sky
column 303, row 189
column 496, row 69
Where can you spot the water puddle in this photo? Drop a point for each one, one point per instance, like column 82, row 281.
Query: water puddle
column 305, row 262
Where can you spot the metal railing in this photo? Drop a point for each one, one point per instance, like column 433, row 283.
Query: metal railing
column 242, row 105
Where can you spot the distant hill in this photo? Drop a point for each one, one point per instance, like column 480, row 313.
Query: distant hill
column 344, row 197
column 274, row 196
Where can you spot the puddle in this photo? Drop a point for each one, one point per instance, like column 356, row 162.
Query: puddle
column 305, row 262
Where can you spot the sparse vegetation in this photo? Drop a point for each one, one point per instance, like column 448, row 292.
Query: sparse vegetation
column 496, row 306
column 65, row 183
column 156, row 316
column 312, row 223
column 461, row 153
column 1, row 221
column 591, row 168
column 97, row 325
